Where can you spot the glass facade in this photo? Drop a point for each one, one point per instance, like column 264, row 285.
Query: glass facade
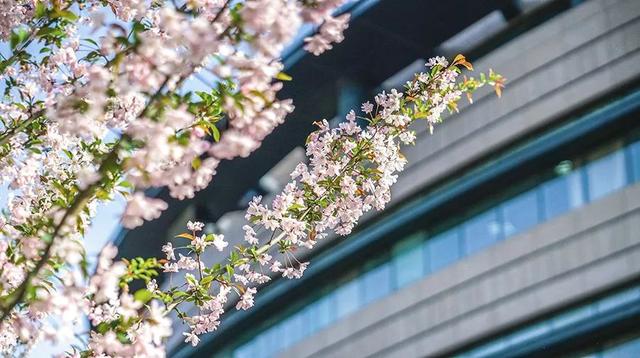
column 443, row 249
column 627, row 349
column 559, row 323
column 562, row 194
column 566, row 186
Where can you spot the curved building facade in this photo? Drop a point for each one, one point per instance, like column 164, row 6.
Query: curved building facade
column 515, row 229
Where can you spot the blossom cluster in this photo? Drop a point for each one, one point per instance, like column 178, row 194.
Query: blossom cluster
column 350, row 171
column 85, row 119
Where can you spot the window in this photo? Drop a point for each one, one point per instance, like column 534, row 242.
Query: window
column 634, row 152
column 487, row 350
column 628, row 349
column 576, row 318
column 262, row 345
column 481, row 231
column 275, row 339
column 408, row 263
column 520, row 213
column 618, row 300
column 573, row 183
column 606, row 174
column 347, row 298
column 245, row 351
column 376, row 283
column 562, row 194
column 443, row 249
column 292, row 328
column 308, row 319
column 575, row 315
column 323, row 311
column 529, row 333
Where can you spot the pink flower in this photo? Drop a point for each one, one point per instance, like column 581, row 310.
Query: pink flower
column 140, row 207
column 195, row 226
column 168, row 250
column 331, row 31
column 367, row 107
column 246, row 300
column 191, row 338
column 250, row 235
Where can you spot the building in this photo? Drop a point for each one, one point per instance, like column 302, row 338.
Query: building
column 515, row 230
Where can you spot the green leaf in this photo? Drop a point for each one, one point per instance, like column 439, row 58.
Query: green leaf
column 17, row 37
column 93, row 42
column 64, row 14
column 215, row 132
column 41, row 9
column 207, row 280
column 44, row 31
column 179, row 294
column 143, row 295
column 125, row 184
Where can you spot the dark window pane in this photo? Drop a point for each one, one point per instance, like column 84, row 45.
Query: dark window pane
column 408, row 260
column 562, row 194
column 376, row 283
column 520, row 213
column 634, row 151
column 481, row 231
column 443, row 249
column 347, row 298
column 606, row 175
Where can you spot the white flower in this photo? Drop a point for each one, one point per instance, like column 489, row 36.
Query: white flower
column 195, row 226
column 351, row 116
column 250, row 235
column 168, row 250
column 438, row 60
column 152, row 286
column 186, row 263
column 86, row 177
column 246, row 300
column 276, row 266
column 200, row 243
column 191, row 338
column 128, row 306
column 367, row 107
column 408, row 137
column 219, row 242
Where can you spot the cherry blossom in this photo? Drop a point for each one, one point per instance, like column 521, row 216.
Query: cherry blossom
column 87, row 119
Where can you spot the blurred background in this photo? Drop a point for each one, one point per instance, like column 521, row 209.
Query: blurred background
column 515, row 229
